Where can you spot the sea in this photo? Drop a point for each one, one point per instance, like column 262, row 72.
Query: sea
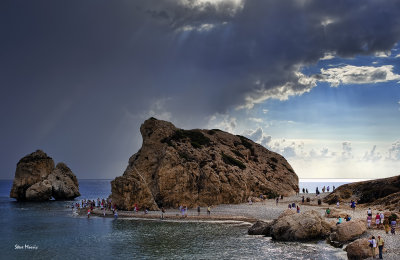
column 52, row 230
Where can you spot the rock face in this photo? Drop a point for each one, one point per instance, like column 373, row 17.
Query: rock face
column 261, row 228
column 366, row 191
column 36, row 179
column 199, row 167
column 359, row 249
column 336, row 213
column 348, row 231
column 391, row 202
column 301, row 227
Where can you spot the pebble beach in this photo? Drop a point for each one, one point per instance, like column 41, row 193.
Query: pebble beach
column 265, row 210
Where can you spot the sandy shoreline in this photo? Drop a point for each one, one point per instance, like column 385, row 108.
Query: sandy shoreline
column 266, row 210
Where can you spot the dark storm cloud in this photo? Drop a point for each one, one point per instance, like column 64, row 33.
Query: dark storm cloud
column 78, row 77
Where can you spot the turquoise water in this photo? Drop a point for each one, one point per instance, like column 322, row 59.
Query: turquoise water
column 53, row 231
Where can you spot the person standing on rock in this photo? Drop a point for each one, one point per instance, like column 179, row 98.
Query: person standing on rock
column 372, row 245
column 209, row 210
column 198, row 210
column 381, row 243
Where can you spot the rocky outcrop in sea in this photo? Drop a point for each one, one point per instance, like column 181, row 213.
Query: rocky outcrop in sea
column 37, row 179
column 199, row 167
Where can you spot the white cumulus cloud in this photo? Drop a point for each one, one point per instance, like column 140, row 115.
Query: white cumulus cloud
column 357, row 75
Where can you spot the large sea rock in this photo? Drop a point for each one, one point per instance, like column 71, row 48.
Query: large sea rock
column 347, row 231
column 261, row 228
column 359, row 249
column 36, row 179
column 304, row 226
column 199, row 167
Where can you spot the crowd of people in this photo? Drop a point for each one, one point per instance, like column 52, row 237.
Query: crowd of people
column 388, row 224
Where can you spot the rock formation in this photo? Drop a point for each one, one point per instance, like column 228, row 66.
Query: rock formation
column 359, row 249
column 199, row 167
column 366, row 191
column 336, row 213
column 347, row 231
column 301, row 227
column 261, row 228
column 36, row 179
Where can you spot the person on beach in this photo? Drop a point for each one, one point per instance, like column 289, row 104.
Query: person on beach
column 353, row 205
column 386, row 226
column 333, row 188
column 382, row 218
column 378, row 220
column 393, row 227
column 115, row 213
column 162, row 212
column 340, row 220
column 372, row 245
column 348, row 218
column 380, row 243
column 327, row 189
column 323, row 189
column 88, row 213
column 209, row 210
column 337, row 204
column 369, row 212
column 307, row 191
column 328, row 212
column 302, row 199
column 304, row 191
column 277, row 200
column 369, row 219
column 290, row 206
column 298, row 209
column 198, row 210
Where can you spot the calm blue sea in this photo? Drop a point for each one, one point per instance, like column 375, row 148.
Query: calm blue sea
column 50, row 230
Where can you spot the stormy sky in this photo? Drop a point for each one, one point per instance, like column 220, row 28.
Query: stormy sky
column 317, row 81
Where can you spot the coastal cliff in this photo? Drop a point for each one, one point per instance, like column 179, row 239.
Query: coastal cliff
column 199, row 167
column 36, row 179
column 384, row 192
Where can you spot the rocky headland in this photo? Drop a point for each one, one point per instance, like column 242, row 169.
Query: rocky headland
column 37, row 179
column 380, row 192
column 199, row 167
